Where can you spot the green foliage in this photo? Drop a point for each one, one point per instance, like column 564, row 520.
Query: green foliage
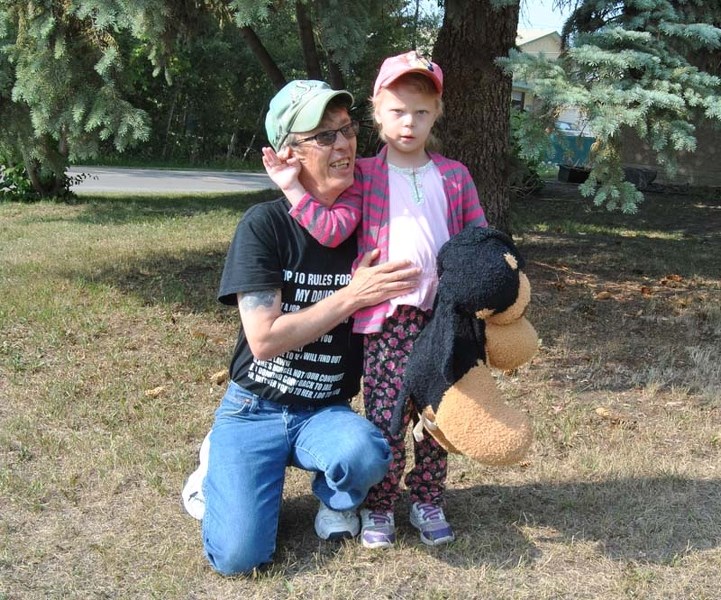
column 528, row 153
column 250, row 12
column 15, row 184
column 215, row 100
column 59, row 67
column 631, row 66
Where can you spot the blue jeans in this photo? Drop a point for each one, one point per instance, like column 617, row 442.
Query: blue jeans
column 252, row 442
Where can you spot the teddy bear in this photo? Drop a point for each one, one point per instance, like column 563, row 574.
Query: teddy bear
column 477, row 324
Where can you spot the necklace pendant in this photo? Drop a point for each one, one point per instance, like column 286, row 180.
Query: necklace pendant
column 417, row 189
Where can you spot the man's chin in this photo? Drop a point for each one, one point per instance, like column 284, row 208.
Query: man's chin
column 342, row 183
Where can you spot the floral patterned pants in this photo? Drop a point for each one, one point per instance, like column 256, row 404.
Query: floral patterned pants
column 386, row 354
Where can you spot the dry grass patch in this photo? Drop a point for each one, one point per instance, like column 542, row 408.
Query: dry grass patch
column 110, row 339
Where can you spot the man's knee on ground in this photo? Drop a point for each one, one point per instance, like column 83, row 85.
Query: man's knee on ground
column 236, row 557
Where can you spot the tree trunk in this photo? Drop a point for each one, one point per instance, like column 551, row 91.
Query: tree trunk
column 307, row 41
column 261, row 53
column 477, row 97
column 31, row 168
column 44, row 188
column 335, row 75
column 169, row 124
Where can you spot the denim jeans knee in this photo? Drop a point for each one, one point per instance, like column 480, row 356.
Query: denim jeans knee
column 232, row 555
column 347, row 452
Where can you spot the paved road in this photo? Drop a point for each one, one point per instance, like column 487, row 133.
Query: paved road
column 147, row 181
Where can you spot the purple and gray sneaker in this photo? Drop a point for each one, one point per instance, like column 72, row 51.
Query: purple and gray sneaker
column 378, row 528
column 431, row 522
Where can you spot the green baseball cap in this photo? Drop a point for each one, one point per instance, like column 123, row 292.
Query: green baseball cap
column 299, row 107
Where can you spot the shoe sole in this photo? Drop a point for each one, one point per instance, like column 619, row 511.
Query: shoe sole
column 377, row 545
column 194, row 507
column 338, row 536
column 439, row 541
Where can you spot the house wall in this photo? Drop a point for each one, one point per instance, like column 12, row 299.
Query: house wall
column 549, row 46
column 702, row 167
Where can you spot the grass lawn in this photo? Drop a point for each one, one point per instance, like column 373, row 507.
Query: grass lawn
column 110, row 340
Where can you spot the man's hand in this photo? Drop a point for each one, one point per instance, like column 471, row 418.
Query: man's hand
column 271, row 332
column 283, row 169
column 374, row 284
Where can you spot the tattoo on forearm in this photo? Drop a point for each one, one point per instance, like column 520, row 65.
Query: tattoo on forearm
column 253, row 300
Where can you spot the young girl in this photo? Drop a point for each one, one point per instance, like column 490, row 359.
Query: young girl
column 409, row 202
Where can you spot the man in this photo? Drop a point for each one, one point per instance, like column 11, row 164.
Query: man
column 296, row 363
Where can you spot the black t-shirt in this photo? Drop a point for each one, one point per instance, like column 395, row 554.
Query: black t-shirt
column 270, row 250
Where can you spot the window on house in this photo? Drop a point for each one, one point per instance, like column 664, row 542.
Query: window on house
column 518, row 99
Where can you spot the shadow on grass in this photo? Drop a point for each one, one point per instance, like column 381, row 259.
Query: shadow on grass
column 616, row 257
column 692, row 212
column 189, row 280
column 677, row 233
column 655, row 520
column 568, row 234
column 117, row 210
column 648, row 520
column 607, row 257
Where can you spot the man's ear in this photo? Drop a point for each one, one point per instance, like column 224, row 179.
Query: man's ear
column 294, row 152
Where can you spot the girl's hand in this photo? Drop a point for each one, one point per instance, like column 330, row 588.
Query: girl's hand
column 282, row 169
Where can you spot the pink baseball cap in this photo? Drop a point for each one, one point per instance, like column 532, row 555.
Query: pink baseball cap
column 410, row 62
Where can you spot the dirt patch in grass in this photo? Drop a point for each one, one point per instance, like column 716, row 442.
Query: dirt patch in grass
column 110, row 342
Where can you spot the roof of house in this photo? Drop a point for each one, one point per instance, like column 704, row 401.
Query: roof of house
column 525, row 36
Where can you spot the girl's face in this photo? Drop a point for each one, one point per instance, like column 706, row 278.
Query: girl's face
column 406, row 116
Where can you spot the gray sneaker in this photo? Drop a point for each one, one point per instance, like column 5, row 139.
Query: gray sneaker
column 193, row 499
column 336, row 524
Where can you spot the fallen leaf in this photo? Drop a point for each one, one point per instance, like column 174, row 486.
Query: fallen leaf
column 155, row 392
column 613, row 417
column 603, row 295
column 672, row 280
column 219, row 377
column 646, row 291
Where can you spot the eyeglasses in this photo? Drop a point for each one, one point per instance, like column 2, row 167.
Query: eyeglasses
column 328, row 137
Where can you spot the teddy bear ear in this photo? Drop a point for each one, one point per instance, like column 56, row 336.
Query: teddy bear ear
column 507, row 241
